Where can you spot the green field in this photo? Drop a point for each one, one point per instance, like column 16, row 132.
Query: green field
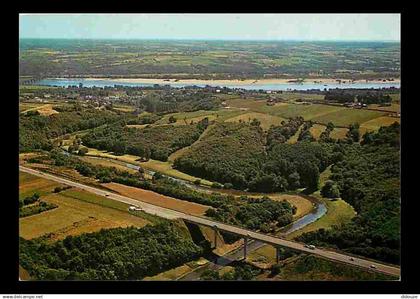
column 266, row 120
column 77, row 212
column 346, row 116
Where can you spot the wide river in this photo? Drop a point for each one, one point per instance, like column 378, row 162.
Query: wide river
column 254, row 86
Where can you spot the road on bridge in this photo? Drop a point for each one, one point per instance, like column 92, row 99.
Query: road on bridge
column 274, row 241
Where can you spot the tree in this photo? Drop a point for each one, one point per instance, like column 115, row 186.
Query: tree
column 172, row 119
column 83, row 151
column 353, row 134
column 255, row 122
column 330, row 190
column 275, row 269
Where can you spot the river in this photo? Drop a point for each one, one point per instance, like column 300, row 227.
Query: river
column 255, row 86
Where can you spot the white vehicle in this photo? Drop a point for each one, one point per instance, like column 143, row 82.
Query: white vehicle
column 373, row 266
column 134, row 208
column 311, row 247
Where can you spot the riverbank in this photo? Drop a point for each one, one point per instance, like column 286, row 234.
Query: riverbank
column 239, row 82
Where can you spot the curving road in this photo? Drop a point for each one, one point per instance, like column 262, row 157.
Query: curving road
column 274, row 241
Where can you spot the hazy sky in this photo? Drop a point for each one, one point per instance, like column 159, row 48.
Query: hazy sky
column 213, row 26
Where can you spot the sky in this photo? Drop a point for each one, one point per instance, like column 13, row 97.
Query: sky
column 354, row 27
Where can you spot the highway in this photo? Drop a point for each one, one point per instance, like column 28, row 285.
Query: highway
column 274, row 241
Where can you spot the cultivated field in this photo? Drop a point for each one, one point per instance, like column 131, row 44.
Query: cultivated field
column 158, row 199
column 339, row 133
column 376, row 123
column 266, row 120
column 347, row 116
column 316, row 130
column 78, row 212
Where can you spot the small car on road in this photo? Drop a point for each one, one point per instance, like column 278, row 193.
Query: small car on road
column 373, row 266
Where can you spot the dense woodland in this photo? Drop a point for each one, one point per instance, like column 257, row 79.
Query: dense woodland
column 360, row 95
column 228, row 153
column 35, row 131
column 236, row 154
column 112, row 254
column 368, row 178
column 156, row 142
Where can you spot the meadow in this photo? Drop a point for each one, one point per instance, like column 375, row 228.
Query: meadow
column 78, row 212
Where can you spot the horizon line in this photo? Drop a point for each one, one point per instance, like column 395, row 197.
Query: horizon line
column 214, row 39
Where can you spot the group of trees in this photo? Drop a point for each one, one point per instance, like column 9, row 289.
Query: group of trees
column 305, row 133
column 36, row 131
column 255, row 213
column 156, row 142
column 111, row 254
column 368, row 178
column 240, row 272
column 235, row 154
column 228, row 153
column 325, row 135
column 361, row 95
column 173, row 100
column 280, row 134
column 32, row 205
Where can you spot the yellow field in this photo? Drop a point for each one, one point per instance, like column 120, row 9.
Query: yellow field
column 393, row 108
column 158, row 199
column 23, row 274
column 124, row 108
column 376, row 123
column 266, row 120
column 78, row 212
column 316, row 130
column 137, row 126
column 339, row 133
column 294, row 138
column 45, row 110
column 29, row 184
column 246, row 103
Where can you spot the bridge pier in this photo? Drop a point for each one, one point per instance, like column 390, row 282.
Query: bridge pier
column 245, row 247
column 277, row 255
column 215, row 236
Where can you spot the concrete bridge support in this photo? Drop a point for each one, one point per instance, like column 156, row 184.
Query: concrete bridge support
column 245, row 247
column 277, row 255
column 215, row 236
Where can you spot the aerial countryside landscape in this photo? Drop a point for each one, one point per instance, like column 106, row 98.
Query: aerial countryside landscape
column 153, row 155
